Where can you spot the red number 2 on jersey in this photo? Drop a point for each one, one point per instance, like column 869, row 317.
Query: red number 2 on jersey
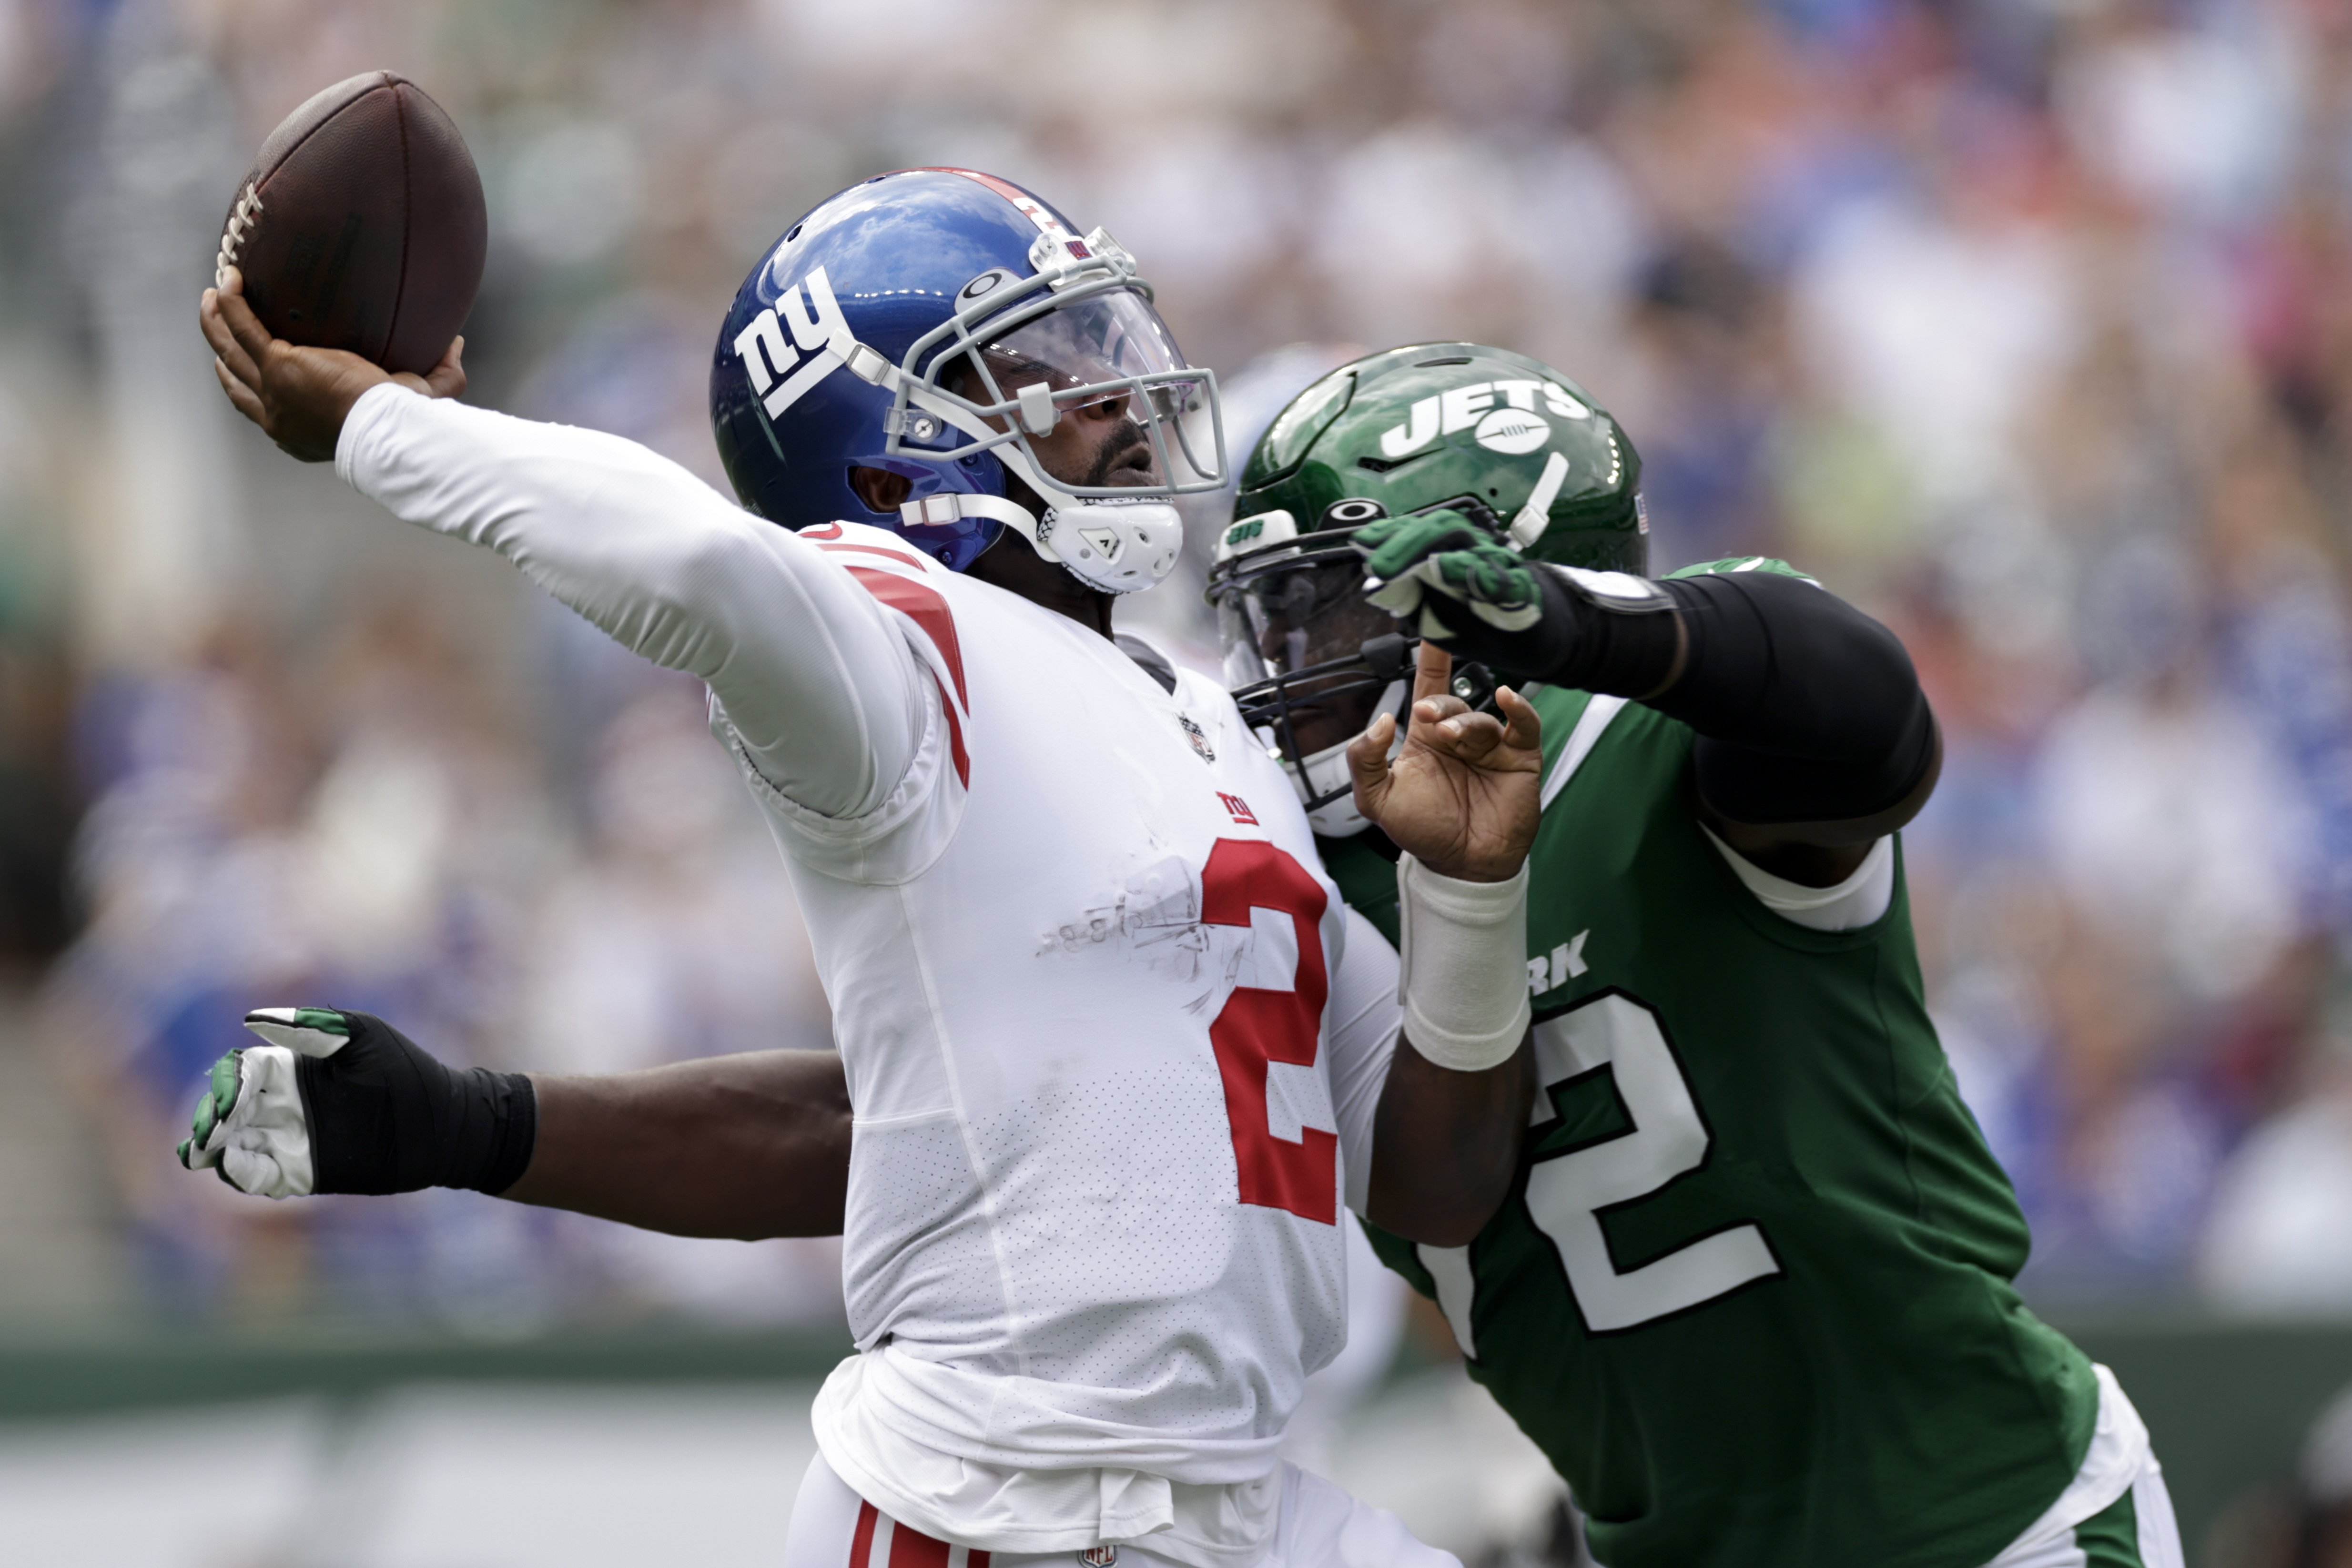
column 1258, row 1027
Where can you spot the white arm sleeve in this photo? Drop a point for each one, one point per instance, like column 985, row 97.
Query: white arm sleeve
column 1365, row 1019
column 815, row 677
column 1859, row 901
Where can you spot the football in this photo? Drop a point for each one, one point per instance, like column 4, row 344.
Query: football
column 361, row 224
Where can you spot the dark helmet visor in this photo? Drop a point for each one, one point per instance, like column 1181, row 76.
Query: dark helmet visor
column 1285, row 622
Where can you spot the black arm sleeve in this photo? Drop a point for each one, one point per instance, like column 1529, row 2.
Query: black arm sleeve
column 386, row 1116
column 1807, row 710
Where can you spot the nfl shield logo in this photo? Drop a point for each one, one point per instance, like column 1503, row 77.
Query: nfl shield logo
column 1199, row 740
column 1101, row 1557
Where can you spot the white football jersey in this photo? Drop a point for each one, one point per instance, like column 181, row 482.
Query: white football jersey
column 1113, row 1044
column 1082, row 970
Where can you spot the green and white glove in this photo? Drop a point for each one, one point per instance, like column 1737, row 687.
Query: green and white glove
column 1413, row 565
column 251, row 1125
column 1479, row 599
column 342, row 1102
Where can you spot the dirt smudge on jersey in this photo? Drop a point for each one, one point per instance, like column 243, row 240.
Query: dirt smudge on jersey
column 1154, row 918
column 1153, row 921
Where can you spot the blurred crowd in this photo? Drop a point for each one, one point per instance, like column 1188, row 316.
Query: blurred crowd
column 2027, row 324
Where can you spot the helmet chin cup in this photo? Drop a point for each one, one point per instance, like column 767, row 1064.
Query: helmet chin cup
column 1117, row 547
column 1112, row 545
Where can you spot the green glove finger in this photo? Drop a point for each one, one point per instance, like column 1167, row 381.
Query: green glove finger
column 1505, row 583
column 1491, row 583
column 1457, row 571
column 193, row 1155
column 1373, row 535
column 1487, row 572
column 219, row 1099
column 227, row 1079
column 1403, row 542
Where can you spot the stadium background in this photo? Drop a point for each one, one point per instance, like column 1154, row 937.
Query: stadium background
column 2025, row 323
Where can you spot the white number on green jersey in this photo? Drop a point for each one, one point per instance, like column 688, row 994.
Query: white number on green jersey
column 1566, row 1193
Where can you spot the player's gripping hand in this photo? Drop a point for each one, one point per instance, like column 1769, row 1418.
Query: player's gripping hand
column 299, row 396
column 342, row 1102
column 1462, row 795
column 1479, row 599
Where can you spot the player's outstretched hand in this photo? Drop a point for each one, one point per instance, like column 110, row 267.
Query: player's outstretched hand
column 1480, row 600
column 251, row 1125
column 342, row 1102
column 1462, row 796
column 299, row 396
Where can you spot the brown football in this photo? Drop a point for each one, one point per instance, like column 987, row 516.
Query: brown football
column 361, row 224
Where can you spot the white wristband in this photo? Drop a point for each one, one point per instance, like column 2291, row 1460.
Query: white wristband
column 1464, row 978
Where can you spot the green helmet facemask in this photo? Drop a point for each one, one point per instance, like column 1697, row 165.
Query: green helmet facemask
column 1511, row 445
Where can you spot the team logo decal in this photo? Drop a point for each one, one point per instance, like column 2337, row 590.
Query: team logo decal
column 1264, row 531
column 1466, row 406
column 1512, row 432
column 780, row 376
column 1193, row 733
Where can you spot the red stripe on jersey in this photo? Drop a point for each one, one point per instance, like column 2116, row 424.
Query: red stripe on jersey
column 862, row 1542
column 822, row 531
column 922, row 605
column 875, row 550
column 913, row 1549
column 976, row 1558
column 955, row 737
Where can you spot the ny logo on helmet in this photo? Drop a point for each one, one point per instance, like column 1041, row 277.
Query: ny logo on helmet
column 809, row 308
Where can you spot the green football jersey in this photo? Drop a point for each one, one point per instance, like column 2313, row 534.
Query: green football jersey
column 1750, row 1291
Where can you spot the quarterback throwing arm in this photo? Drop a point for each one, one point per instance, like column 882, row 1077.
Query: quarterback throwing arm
column 813, row 682
column 830, row 704
column 827, row 698
column 827, row 701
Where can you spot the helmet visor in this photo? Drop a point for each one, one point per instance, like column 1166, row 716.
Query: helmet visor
column 1103, row 353
column 1286, row 622
column 1294, row 642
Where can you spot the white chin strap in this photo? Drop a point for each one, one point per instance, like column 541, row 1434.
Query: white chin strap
column 1328, row 770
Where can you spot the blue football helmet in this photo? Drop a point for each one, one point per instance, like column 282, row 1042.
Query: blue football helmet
column 929, row 322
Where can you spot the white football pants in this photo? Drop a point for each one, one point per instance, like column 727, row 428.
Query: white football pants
column 1320, row 1526
column 2137, row 1530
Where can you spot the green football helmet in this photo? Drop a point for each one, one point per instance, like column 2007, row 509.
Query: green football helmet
column 1514, row 446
